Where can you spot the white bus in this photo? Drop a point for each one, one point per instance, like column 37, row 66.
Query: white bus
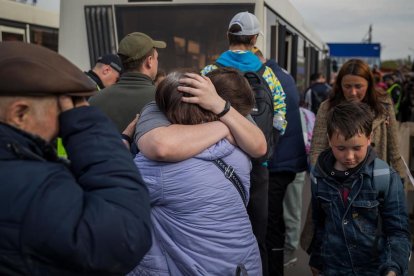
column 26, row 22
column 195, row 31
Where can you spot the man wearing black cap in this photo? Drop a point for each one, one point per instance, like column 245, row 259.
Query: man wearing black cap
column 123, row 100
column 89, row 217
column 106, row 71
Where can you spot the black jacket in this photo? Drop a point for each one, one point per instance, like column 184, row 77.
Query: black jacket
column 95, row 78
column 289, row 154
column 91, row 218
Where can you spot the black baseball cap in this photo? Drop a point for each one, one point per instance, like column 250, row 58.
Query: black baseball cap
column 112, row 60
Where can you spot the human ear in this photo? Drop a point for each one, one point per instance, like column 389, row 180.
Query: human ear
column 107, row 70
column 329, row 139
column 148, row 61
column 369, row 138
column 17, row 114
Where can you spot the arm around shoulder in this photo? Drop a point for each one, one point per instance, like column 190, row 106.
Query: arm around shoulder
column 248, row 136
column 179, row 142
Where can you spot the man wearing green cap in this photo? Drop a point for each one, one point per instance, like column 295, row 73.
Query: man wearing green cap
column 123, row 100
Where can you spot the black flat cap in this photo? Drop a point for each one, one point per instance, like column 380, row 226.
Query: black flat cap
column 32, row 70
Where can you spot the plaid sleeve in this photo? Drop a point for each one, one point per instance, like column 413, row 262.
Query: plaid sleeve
column 208, row 69
column 279, row 97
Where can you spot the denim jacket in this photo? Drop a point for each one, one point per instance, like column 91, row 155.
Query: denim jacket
column 367, row 235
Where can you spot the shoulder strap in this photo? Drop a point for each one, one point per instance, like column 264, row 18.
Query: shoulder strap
column 381, row 176
column 317, row 97
column 231, row 175
column 260, row 72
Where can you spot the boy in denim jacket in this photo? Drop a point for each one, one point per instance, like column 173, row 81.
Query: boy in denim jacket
column 361, row 225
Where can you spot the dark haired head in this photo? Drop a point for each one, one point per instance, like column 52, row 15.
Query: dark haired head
column 229, row 83
column 239, row 39
column 168, row 99
column 232, row 86
column 350, row 119
column 361, row 69
column 315, row 76
column 131, row 65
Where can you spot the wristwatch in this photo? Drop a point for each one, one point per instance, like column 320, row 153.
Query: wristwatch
column 225, row 110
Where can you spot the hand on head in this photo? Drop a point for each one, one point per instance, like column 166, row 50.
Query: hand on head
column 67, row 102
column 203, row 91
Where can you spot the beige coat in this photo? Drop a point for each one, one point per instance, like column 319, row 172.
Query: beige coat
column 384, row 137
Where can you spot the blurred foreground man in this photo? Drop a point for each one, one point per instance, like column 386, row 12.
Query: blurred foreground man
column 90, row 217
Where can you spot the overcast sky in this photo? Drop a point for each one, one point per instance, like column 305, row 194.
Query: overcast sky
column 348, row 21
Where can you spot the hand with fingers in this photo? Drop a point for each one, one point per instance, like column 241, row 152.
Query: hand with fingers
column 203, row 91
column 67, row 102
column 129, row 131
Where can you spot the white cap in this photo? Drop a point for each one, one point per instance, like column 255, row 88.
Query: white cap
column 248, row 23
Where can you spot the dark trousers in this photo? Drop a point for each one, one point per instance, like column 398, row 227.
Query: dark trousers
column 258, row 207
column 275, row 238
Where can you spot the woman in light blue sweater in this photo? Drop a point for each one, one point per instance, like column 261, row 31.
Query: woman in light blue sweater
column 200, row 223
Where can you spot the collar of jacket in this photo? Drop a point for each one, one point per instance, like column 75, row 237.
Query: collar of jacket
column 134, row 76
column 18, row 144
column 326, row 159
column 94, row 77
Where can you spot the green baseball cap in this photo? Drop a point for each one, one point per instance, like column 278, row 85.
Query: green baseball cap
column 136, row 45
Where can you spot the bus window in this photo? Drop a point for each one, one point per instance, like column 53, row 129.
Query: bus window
column 46, row 37
column 194, row 40
column 12, row 34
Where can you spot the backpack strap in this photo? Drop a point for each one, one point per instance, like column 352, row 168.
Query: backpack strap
column 381, row 180
column 219, row 65
column 260, row 72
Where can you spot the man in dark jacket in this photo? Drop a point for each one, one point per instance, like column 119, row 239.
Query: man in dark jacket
column 87, row 217
column 106, row 71
column 317, row 92
column 123, row 100
column 288, row 160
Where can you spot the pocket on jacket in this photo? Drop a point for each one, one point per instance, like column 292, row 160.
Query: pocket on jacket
column 325, row 202
column 365, row 215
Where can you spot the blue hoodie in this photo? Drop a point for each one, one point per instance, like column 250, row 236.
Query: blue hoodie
column 247, row 61
column 241, row 60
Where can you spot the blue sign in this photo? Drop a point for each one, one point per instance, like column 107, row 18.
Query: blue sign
column 354, row 50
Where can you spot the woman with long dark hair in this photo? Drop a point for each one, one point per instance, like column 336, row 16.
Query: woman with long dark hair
column 355, row 82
